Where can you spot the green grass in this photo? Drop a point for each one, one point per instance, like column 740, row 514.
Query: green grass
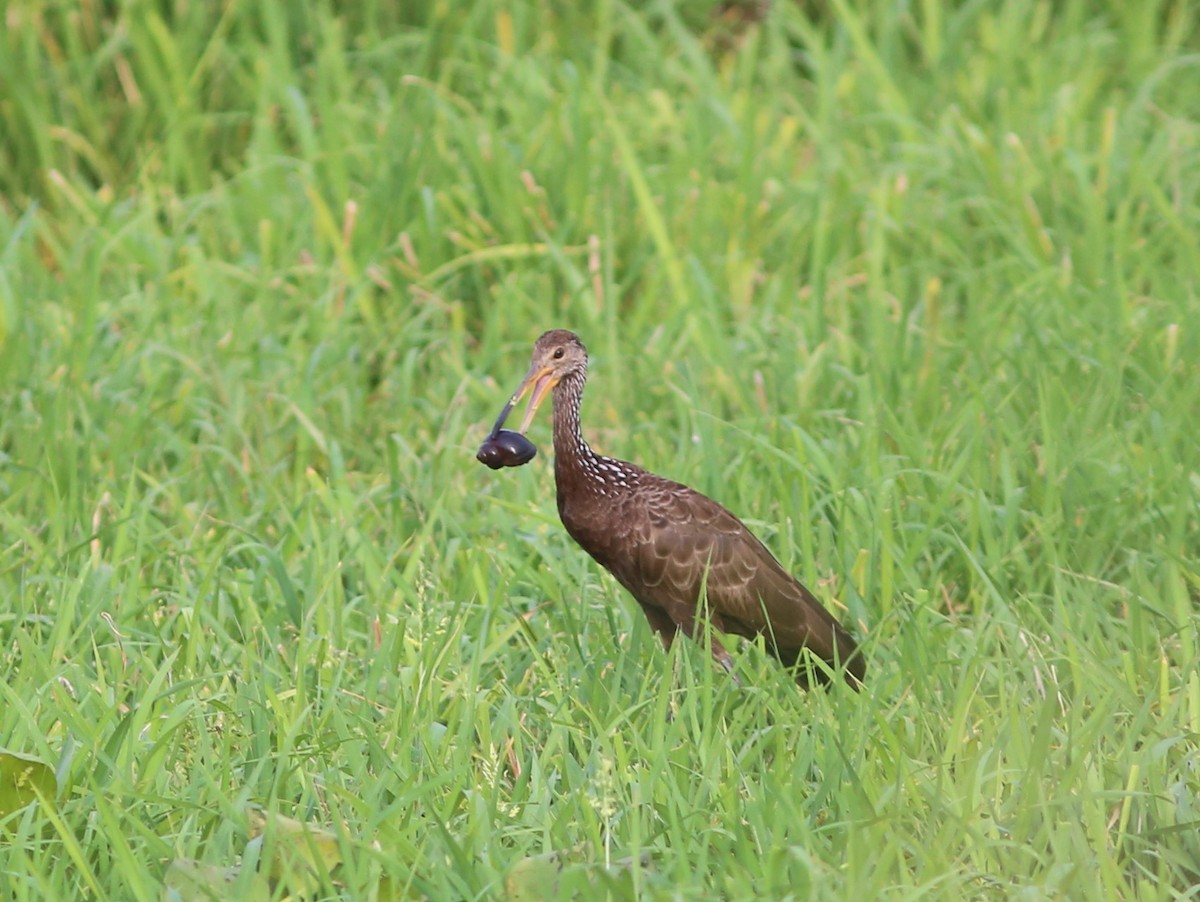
column 913, row 287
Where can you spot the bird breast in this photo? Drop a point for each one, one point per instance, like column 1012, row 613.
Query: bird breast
column 595, row 500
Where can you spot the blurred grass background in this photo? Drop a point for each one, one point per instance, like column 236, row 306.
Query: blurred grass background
column 911, row 287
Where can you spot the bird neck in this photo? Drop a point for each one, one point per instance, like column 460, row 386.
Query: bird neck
column 570, row 449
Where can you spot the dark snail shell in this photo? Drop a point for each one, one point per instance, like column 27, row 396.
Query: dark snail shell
column 506, row 448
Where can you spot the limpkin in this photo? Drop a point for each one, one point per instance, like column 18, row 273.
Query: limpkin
column 679, row 553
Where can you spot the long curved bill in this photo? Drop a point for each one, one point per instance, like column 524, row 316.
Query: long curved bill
column 537, row 384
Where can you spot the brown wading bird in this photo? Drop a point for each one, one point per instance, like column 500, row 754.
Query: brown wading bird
column 679, row 553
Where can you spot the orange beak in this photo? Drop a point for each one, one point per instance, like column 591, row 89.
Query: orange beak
column 539, row 380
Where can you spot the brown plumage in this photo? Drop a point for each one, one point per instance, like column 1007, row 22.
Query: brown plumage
column 670, row 546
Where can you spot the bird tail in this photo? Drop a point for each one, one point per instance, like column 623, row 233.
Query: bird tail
column 848, row 659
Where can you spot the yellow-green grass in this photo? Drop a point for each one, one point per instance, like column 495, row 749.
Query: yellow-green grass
column 914, row 289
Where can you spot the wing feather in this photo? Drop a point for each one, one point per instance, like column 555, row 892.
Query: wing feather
column 685, row 546
column 674, row 549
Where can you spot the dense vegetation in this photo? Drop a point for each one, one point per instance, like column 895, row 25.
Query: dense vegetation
column 911, row 286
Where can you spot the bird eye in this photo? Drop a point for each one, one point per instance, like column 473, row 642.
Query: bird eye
column 558, row 353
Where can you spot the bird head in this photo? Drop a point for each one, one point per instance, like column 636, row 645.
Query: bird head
column 556, row 355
